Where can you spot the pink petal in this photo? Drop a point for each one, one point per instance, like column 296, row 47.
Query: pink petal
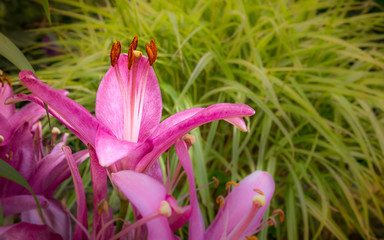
column 5, row 92
column 22, row 97
column 196, row 221
column 110, row 150
column 34, row 232
column 72, row 112
column 22, row 159
column 20, row 203
column 53, row 169
column 57, row 219
column 145, row 193
column 109, row 100
column 183, row 122
column 99, row 185
column 80, row 195
column 239, row 202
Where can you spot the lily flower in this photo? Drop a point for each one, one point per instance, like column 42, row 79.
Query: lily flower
column 44, row 168
column 126, row 132
column 240, row 213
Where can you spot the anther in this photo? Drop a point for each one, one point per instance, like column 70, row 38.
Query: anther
column 216, row 181
column 228, row 185
column 272, row 222
column 103, row 207
column 280, row 213
column 251, row 238
column 258, row 191
column 115, row 53
column 130, row 57
column 1, row 139
column 165, row 209
column 189, row 139
column 151, row 52
column 220, row 200
column 134, row 42
column 3, row 77
column 258, row 200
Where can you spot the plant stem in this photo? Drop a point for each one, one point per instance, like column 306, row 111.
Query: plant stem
column 123, row 212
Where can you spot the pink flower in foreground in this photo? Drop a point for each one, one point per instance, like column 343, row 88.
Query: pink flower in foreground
column 127, row 133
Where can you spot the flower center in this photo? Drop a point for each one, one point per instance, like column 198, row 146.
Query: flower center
column 133, row 89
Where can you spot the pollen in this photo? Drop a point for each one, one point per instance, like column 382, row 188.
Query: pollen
column 151, row 52
column 251, row 238
column 258, row 200
column 103, row 207
column 258, row 191
column 217, row 182
column 134, row 42
column 130, row 57
column 228, row 185
column 220, row 201
column 137, row 54
column 1, row 139
column 189, row 139
column 280, row 213
column 115, row 53
column 165, row 209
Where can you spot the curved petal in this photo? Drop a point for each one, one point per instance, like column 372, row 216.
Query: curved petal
column 56, row 218
column 53, row 169
column 29, row 113
column 110, row 150
column 21, row 230
column 19, row 154
column 145, row 193
column 183, row 122
column 239, row 202
column 73, row 113
column 113, row 98
column 22, row 97
column 20, row 203
column 5, row 92
column 6, row 131
column 196, row 221
column 80, row 194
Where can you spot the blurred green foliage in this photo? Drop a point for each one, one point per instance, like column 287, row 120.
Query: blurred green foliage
column 312, row 70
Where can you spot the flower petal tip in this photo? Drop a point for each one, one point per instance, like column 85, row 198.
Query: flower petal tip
column 26, row 74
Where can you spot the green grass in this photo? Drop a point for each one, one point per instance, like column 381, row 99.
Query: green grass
column 312, row 70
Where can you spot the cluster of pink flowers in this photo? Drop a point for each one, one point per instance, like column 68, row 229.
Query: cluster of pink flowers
column 124, row 141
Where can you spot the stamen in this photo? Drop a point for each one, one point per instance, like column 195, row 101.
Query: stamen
column 259, row 200
column 115, row 53
column 272, row 222
column 220, row 200
column 130, row 57
column 258, row 191
column 151, row 52
column 189, row 139
column 251, row 238
column 1, row 139
column 103, row 207
column 134, row 42
column 4, row 77
column 280, row 213
column 216, row 181
column 228, row 185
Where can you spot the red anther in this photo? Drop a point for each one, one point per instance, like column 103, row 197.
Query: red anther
column 2, row 81
column 134, row 42
column 220, row 200
column 272, row 222
column 7, row 79
column 258, row 191
column 280, row 213
column 228, row 185
column 150, row 54
column 154, row 49
column 115, row 53
column 130, row 57
column 216, row 181
column 251, row 238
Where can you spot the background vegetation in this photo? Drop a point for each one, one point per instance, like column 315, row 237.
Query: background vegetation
column 312, row 70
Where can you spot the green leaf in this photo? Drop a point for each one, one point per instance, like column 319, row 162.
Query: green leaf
column 46, row 10
column 13, row 54
column 8, row 172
